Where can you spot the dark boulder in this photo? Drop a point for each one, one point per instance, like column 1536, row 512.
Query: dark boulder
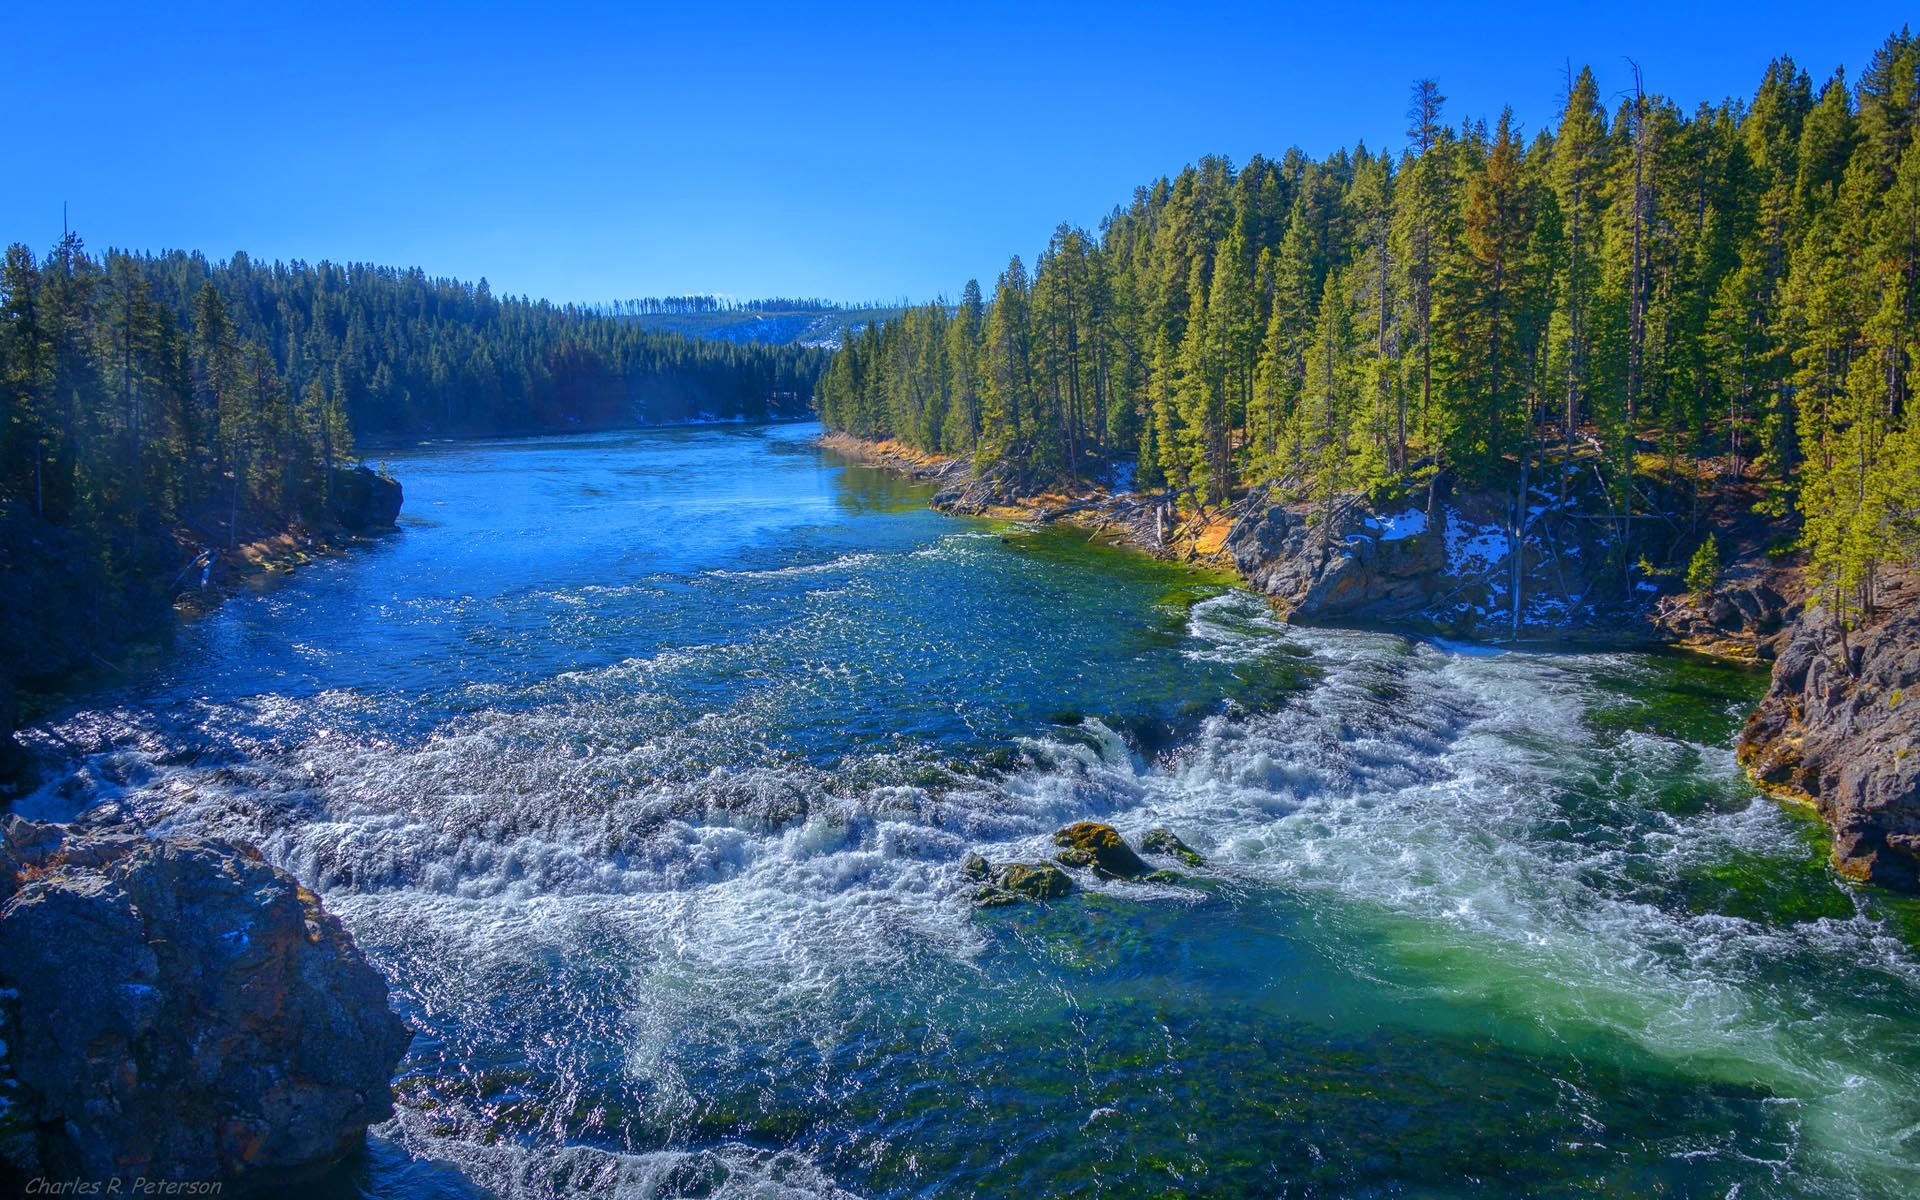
column 1743, row 618
column 1034, row 881
column 363, row 500
column 1840, row 729
column 180, row 1010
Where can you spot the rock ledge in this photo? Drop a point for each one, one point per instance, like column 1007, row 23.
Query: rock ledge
column 178, row 1009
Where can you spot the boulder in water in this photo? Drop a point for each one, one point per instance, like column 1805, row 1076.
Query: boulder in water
column 1011, row 883
column 180, row 1010
column 1034, row 881
column 1099, row 846
column 1163, row 841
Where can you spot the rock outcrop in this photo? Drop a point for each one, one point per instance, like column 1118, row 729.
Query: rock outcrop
column 363, row 500
column 178, row 1009
column 1340, row 564
column 1744, row 618
column 1466, row 562
column 1840, row 728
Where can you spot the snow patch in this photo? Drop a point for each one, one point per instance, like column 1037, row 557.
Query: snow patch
column 1399, row 526
column 1473, row 549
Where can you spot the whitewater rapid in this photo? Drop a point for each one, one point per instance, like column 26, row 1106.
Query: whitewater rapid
column 653, row 943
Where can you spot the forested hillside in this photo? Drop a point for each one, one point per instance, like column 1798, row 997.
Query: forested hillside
column 1674, row 300
column 779, row 322
column 412, row 354
column 152, row 407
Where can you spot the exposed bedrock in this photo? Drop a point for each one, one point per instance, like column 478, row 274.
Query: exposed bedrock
column 179, row 1009
column 1840, row 728
column 363, row 500
column 1469, row 562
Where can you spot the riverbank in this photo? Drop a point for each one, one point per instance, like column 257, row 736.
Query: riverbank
column 1839, row 731
column 1460, row 564
column 1144, row 523
column 72, row 626
column 1836, row 731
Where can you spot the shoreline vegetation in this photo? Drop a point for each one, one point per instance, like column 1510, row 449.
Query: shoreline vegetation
column 1099, row 508
column 1655, row 317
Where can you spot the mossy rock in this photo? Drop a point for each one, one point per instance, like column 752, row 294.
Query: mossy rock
column 1011, row 883
column 1041, row 881
column 1164, row 841
column 1099, row 846
column 993, row 897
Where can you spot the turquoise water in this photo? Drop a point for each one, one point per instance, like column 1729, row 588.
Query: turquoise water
column 642, row 765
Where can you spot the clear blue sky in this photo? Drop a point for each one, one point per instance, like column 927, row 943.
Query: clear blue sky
column 847, row 150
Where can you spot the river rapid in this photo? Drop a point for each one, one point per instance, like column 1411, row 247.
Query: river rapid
column 642, row 765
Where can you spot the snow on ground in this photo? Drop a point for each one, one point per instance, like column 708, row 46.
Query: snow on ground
column 1473, row 549
column 1399, row 526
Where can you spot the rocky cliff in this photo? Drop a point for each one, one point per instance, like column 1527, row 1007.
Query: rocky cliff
column 178, row 1009
column 1469, row 563
column 1840, row 729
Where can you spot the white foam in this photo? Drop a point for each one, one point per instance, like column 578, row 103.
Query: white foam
column 1414, row 792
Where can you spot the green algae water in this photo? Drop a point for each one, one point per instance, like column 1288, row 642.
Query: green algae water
column 642, row 765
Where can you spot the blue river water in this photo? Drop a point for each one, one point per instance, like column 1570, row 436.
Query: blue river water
column 642, row 765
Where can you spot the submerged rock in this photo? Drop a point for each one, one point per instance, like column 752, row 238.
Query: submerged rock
column 1093, row 844
column 1163, row 841
column 179, row 1009
column 1840, row 728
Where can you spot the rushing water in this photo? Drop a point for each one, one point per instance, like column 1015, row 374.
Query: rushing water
column 642, row 764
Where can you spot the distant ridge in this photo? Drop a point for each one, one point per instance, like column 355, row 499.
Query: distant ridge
column 773, row 322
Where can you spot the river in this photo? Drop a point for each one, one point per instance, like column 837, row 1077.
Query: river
column 642, row 764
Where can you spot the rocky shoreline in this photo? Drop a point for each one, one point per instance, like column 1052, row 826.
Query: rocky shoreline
column 1463, row 564
column 53, row 645
column 1839, row 728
